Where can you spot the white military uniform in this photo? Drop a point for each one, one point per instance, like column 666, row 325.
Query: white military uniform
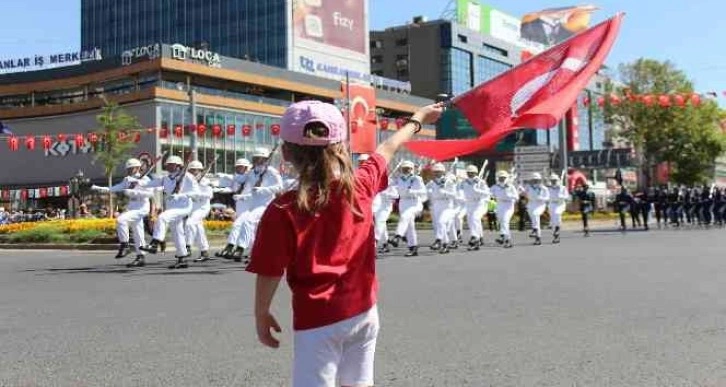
column 538, row 195
column 201, row 206
column 178, row 206
column 263, row 183
column 382, row 208
column 506, row 196
column 557, row 202
column 137, row 208
column 235, row 184
column 457, row 225
column 442, row 193
column 476, row 195
column 411, row 191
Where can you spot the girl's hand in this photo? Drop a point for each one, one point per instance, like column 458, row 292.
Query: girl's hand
column 429, row 114
column 265, row 323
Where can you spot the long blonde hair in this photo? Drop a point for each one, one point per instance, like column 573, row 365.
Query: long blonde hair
column 318, row 167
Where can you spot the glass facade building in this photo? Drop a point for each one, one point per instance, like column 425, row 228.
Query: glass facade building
column 249, row 29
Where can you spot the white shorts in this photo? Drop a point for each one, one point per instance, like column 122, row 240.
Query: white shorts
column 342, row 352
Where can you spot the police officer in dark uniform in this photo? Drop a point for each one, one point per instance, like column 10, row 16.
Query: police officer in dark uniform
column 718, row 207
column 623, row 204
column 706, row 205
column 661, row 206
column 587, row 205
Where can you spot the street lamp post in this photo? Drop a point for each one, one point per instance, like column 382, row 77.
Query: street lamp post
column 193, row 142
column 78, row 184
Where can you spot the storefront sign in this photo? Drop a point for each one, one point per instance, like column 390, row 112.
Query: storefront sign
column 55, row 60
column 606, row 158
column 149, row 52
column 64, row 148
column 182, row 52
column 309, row 65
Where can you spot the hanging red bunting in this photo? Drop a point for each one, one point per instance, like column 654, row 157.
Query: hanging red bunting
column 679, row 100
column 600, row 101
column 43, row 192
column 216, row 130
column 384, row 123
column 695, row 99
column 64, row 190
column 80, row 141
column 13, row 143
column 137, row 137
column 30, row 143
column 230, row 130
column 648, row 100
column 246, row 130
column 275, row 129
column 614, row 99
column 178, row 131
column 93, row 138
column 399, row 123
column 664, row 101
column 61, row 137
column 586, row 101
column 164, row 133
column 201, row 130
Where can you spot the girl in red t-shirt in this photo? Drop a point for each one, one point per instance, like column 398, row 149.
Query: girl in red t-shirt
column 321, row 236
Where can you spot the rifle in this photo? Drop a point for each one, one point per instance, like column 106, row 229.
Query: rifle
column 397, row 166
column 267, row 165
column 209, row 168
column 148, row 170
column 483, row 168
column 183, row 173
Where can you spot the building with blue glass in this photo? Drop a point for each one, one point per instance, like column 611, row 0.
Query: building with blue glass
column 251, row 29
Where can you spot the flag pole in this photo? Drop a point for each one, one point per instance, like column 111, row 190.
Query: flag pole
column 347, row 109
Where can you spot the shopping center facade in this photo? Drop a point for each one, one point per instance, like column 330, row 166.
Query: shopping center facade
column 237, row 104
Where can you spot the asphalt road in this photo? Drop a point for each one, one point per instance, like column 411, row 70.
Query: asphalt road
column 641, row 309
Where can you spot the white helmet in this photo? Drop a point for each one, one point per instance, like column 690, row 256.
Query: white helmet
column 502, row 174
column 174, row 160
column 407, row 164
column 133, row 163
column 363, row 157
column 536, row 176
column 196, row 165
column 472, row 169
column 555, row 177
column 261, row 152
column 438, row 167
column 242, row 163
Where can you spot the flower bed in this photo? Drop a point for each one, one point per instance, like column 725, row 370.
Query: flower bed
column 75, row 231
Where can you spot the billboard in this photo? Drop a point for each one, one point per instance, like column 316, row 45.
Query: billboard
column 555, row 25
column 489, row 21
column 330, row 34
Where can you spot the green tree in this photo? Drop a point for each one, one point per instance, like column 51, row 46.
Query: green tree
column 115, row 141
column 686, row 137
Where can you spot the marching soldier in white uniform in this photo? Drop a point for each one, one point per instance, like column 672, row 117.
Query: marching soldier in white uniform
column 133, row 218
column 538, row 195
column 506, row 195
column 262, row 185
column 557, row 204
column 476, row 195
column 234, row 185
column 442, row 192
column 201, row 205
column 289, row 178
column 382, row 208
column 457, row 224
column 411, row 191
column 178, row 187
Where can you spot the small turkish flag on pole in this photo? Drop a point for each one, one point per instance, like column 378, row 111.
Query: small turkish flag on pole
column 536, row 94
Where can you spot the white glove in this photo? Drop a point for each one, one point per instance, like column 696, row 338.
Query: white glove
column 178, row 196
column 238, row 197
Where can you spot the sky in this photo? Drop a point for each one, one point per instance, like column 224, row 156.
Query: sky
column 691, row 37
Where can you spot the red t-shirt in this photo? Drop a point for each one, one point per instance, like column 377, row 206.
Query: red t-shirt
column 329, row 256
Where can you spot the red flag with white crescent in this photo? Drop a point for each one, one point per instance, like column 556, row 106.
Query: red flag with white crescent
column 534, row 95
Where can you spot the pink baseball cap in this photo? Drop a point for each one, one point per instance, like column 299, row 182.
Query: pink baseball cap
column 302, row 113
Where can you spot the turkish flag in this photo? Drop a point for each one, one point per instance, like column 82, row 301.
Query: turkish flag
column 363, row 119
column 536, row 94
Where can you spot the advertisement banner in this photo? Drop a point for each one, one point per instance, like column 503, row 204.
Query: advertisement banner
column 555, row 25
column 489, row 21
column 331, row 31
column 363, row 120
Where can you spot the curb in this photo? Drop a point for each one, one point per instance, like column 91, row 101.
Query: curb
column 55, row 246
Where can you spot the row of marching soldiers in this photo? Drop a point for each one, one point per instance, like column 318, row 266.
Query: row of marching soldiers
column 450, row 200
column 187, row 202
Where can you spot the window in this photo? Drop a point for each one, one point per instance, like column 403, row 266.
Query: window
column 377, row 72
column 403, row 74
column 376, row 44
column 463, row 39
column 457, row 74
column 487, row 69
column 377, row 59
column 494, row 50
column 402, row 42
